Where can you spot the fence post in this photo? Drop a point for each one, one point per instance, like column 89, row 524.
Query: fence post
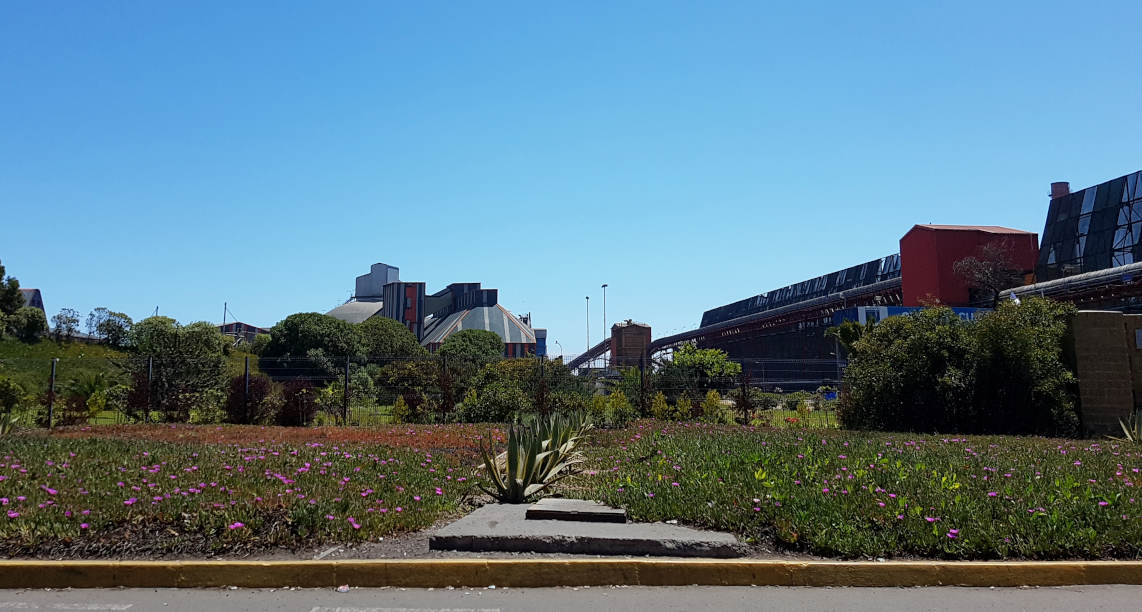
column 150, row 388
column 52, row 392
column 246, row 393
column 345, row 398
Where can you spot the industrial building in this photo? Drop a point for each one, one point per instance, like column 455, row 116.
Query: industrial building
column 1090, row 255
column 434, row 317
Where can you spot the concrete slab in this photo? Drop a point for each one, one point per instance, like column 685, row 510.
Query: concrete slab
column 558, row 509
column 504, row 527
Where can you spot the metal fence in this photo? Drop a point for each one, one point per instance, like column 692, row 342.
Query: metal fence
column 319, row 390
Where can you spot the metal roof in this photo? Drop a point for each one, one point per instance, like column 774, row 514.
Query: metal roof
column 489, row 318
column 356, row 312
column 991, row 229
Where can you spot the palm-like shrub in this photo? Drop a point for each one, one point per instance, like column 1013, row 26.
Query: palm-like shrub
column 537, row 456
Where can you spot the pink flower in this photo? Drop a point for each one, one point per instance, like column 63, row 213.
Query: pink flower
column 13, row 514
column 953, row 533
column 130, row 502
column 236, row 525
column 416, row 498
column 353, row 523
column 992, row 493
column 84, row 525
column 1102, row 503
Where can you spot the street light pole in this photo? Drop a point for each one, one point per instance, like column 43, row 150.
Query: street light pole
column 604, row 322
column 560, row 349
column 588, row 324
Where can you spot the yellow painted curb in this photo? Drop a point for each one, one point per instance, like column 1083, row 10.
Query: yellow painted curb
column 559, row 572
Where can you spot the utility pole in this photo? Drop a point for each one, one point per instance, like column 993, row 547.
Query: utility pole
column 605, row 323
column 224, row 314
column 52, row 392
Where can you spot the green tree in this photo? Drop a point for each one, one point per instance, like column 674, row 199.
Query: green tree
column 912, row 372
column 65, row 324
column 477, row 346
column 299, row 335
column 11, row 299
column 387, row 338
column 1023, row 384
column 112, row 327
column 27, row 324
column 848, row 333
column 695, row 370
column 185, row 366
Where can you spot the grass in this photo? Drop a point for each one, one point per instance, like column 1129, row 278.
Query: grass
column 201, row 489
column 790, row 419
column 30, row 364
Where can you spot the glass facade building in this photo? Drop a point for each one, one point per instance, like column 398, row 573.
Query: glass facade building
column 1093, row 229
column 867, row 273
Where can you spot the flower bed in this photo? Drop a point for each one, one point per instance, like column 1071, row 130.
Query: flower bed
column 195, row 490
column 852, row 494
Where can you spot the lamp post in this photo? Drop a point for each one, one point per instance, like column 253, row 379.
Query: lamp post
column 588, row 325
column 604, row 322
column 560, row 349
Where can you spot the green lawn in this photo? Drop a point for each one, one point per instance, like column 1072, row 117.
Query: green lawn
column 815, row 419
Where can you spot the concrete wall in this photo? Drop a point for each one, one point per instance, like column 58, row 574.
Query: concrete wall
column 1108, row 363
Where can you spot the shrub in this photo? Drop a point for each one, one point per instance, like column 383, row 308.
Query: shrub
column 258, row 407
column 401, row 411
column 567, row 402
column 26, row 324
column 612, row 411
column 496, row 403
column 299, row 404
column 932, row 371
column 659, row 409
column 683, row 409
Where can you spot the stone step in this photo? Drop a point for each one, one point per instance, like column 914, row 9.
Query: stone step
column 502, row 527
column 558, row 509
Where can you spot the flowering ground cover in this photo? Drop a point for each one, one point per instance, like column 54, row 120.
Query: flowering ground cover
column 855, row 494
column 190, row 490
column 153, row 490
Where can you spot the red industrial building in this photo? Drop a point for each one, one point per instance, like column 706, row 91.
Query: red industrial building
column 928, row 254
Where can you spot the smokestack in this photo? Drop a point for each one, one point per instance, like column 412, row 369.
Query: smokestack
column 1060, row 189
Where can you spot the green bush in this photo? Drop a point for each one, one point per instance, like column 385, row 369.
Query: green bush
column 567, row 402
column 659, row 408
column 932, row 371
column 401, row 411
column 497, row 403
column 26, row 324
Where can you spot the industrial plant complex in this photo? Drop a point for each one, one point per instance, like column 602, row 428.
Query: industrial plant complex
column 432, row 318
column 1087, row 256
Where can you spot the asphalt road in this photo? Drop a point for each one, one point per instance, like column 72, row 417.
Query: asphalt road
column 596, row 599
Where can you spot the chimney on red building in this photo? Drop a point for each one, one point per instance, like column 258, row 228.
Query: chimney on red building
column 1060, row 189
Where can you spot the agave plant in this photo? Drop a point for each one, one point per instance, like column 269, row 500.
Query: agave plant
column 537, row 456
column 1131, row 428
column 7, row 422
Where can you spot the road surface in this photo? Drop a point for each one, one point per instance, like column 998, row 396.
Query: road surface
column 596, row 599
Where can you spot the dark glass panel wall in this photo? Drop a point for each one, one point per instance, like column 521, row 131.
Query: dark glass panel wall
column 1093, row 229
column 867, row 273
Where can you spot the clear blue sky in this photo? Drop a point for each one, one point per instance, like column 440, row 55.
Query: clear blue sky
column 688, row 154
